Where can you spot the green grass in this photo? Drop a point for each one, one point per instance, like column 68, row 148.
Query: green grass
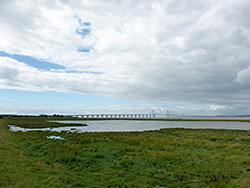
column 165, row 158
column 41, row 122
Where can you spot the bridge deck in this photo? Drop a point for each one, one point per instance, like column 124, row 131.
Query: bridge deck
column 128, row 116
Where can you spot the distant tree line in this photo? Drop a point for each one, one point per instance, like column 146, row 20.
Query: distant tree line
column 10, row 116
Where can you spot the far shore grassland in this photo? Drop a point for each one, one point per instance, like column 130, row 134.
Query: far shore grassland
column 164, row 158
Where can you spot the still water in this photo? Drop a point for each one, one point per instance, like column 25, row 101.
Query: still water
column 136, row 125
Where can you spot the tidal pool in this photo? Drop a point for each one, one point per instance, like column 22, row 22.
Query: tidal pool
column 55, row 137
column 136, row 125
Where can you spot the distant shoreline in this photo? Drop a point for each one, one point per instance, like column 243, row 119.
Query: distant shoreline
column 186, row 118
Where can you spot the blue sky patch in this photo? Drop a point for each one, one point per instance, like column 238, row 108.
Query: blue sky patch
column 82, row 49
column 44, row 65
column 86, row 72
column 53, row 99
column 84, row 29
column 83, row 32
column 83, row 23
column 87, row 23
column 33, row 62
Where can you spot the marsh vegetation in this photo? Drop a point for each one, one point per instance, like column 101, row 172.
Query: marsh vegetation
column 164, row 158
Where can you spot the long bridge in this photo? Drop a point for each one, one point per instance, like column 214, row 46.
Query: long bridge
column 128, row 116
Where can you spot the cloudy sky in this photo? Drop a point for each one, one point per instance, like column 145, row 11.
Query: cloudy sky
column 75, row 57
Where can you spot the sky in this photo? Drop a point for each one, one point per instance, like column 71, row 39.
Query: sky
column 125, row 56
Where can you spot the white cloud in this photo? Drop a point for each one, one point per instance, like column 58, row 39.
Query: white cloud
column 18, row 75
column 243, row 77
column 216, row 107
column 167, row 51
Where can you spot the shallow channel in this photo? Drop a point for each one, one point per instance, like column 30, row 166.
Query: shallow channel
column 136, row 125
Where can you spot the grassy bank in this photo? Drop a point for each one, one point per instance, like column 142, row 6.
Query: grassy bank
column 166, row 158
column 38, row 122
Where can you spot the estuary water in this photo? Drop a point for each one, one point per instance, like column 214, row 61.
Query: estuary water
column 137, row 125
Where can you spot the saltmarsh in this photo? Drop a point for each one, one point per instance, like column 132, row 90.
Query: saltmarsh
column 165, row 158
